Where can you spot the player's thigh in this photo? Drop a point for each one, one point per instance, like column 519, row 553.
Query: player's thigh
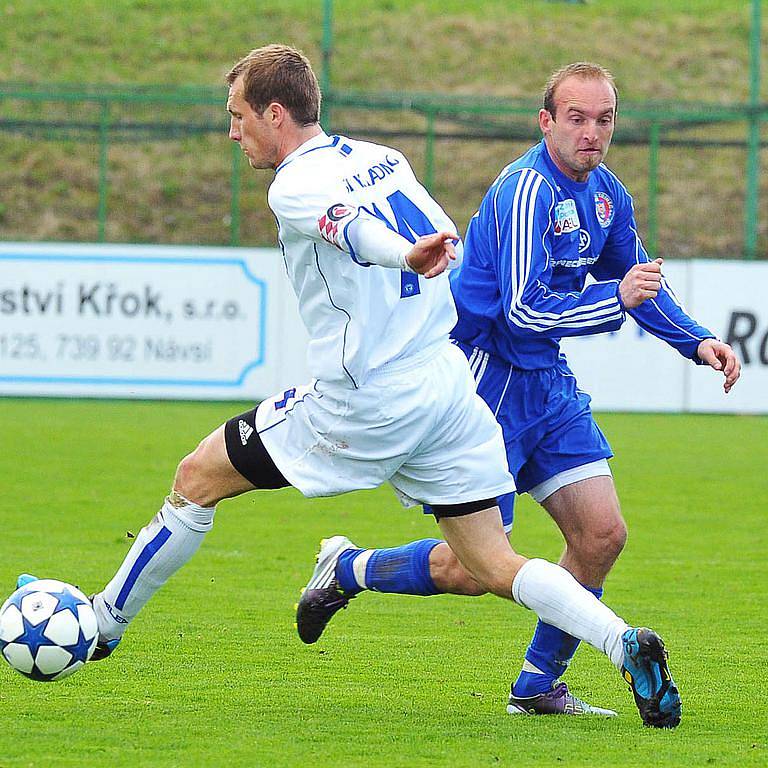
column 462, row 457
column 572, row 447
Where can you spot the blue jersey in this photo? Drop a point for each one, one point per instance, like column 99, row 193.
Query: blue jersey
column 528, row 253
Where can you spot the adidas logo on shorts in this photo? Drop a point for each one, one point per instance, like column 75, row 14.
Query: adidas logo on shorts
column 246, row 430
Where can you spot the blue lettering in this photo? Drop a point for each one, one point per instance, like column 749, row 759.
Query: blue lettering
column 375, row 173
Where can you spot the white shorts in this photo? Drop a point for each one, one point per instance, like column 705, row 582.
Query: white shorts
column 416, row 423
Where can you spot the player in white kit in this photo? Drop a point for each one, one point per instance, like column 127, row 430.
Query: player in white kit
column 365, row 248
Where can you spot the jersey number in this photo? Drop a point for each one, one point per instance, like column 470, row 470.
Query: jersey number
column 411, row 223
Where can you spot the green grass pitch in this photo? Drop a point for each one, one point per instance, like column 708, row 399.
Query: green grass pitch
column 212, row 673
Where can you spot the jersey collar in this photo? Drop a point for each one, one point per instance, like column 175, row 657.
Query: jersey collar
column 321, row 141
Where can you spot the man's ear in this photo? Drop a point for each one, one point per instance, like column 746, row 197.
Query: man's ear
column 545, row 121
column 276, row 113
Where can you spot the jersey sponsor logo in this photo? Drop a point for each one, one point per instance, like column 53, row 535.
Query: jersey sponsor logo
column 566, row 217
column 246, row 430
column 574, row 263
column 328, row 223
column 604, row 209
column 584, row 240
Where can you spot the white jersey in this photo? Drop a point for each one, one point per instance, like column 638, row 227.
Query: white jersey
column 359, row 316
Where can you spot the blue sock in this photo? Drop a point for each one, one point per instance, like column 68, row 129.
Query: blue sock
column 403, row 570
column 551, row 650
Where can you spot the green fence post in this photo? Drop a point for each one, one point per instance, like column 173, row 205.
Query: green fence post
column 429, row 153
column 653, row 189
column 325, row 74
column 103, row 167
column 234, row 201
column 752, row 191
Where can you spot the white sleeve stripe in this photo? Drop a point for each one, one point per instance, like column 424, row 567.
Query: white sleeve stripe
column 672, row 295
column 472, row 357
column 576, row 324
column 600, row 307
column 523, row 212
column 524, row 309
column 522, row 219
column 501, row 180
column 481, row 369
column 674, row 324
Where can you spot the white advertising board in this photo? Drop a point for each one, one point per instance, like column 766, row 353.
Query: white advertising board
column 147, row 321
column 221, row 323
column 732, row 296
column 633, row 371
column 630, row 370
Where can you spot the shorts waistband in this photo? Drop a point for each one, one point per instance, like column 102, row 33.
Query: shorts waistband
column 477, row 357
column 408, row 362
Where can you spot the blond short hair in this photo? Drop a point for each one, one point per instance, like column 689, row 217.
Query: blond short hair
column 282, row 74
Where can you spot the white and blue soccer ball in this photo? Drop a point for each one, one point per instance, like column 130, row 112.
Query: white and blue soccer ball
column 48, row 630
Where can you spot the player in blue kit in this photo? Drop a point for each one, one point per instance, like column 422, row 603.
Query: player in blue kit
column 553, row 218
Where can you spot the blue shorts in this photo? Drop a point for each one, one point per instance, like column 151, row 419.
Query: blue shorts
column 545, row 418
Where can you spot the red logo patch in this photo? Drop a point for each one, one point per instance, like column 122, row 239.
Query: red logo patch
column 329, row 230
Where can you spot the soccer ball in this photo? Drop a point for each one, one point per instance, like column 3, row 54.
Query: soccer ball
column 48, row 630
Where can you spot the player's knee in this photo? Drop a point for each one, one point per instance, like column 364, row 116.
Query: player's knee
column 496, row 574
column 604, row 542
column 191, row 480
column 449, row 575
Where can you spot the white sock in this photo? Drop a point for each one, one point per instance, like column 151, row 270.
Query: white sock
column 160, row 549
column 558, row 599
column 359, row 566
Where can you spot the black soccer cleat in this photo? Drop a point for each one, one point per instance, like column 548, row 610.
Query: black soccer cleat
column 103, row 648
column 322, row 597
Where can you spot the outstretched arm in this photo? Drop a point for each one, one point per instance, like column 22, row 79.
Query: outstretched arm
column 652, row 303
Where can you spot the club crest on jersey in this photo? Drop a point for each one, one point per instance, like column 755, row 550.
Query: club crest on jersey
column 604, row 209
column 328, row 223
column 566, row 217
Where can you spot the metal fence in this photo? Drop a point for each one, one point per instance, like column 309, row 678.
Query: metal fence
column 694, row 168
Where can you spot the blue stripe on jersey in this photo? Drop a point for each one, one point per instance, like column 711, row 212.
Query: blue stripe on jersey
column 334, row 141
column 140, row 564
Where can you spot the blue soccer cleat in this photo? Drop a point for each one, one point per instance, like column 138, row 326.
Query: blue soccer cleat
column 645, row 669
column 24, row 579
